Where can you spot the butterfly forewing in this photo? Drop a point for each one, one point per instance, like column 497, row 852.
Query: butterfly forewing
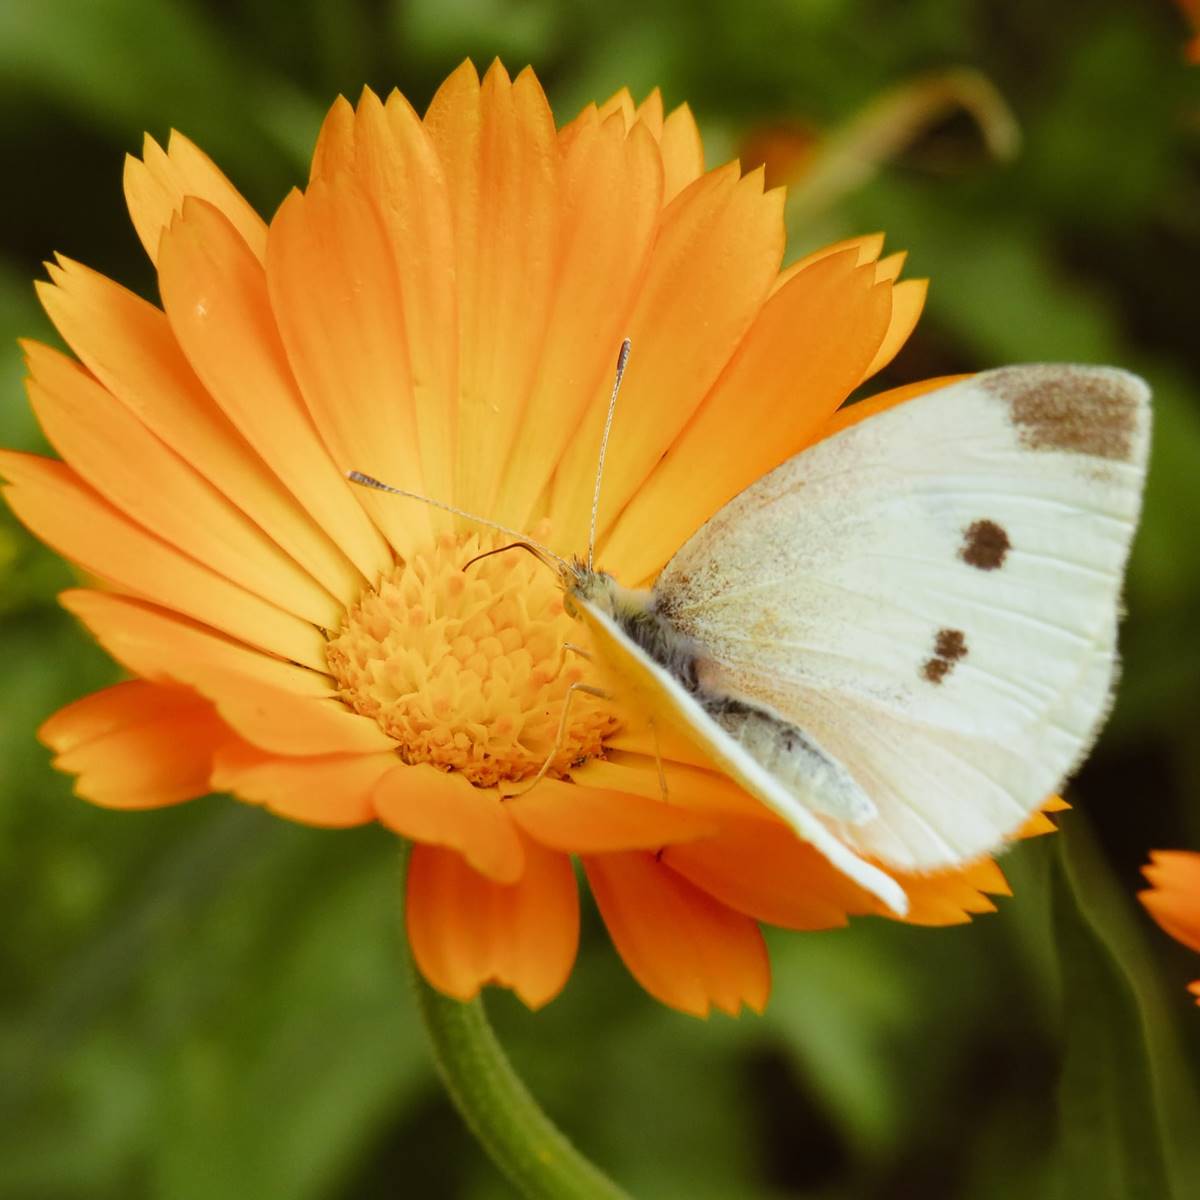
column 932, row 595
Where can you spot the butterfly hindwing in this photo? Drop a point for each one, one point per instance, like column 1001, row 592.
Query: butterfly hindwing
column 656, row 693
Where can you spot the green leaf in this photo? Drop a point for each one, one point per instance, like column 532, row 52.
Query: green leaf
column 1128, row 1108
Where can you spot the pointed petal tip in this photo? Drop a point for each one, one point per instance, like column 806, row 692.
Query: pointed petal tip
column 534, row 999
column 465, row 69
column 756, row 175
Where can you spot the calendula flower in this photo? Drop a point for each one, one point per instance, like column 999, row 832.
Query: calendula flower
column 440, row 308
column 1173, row 897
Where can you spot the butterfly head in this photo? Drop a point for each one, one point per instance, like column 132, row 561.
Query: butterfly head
column 581, row 582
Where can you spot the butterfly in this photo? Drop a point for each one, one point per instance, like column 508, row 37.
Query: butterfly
column 902, row 639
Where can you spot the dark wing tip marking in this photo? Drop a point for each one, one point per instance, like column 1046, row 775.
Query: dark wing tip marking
column 1082, row 410
column 985, row 545
column 948, row 647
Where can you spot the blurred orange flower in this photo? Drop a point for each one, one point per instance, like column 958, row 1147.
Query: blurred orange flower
column 440, row 307
column 1173, row 897
column 1191, row 10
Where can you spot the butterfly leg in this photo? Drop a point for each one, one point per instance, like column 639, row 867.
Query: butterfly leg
column 562, row 662
column 561, row 735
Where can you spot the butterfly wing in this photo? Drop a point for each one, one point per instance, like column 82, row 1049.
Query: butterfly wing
column 931, row 595
column 655, row 692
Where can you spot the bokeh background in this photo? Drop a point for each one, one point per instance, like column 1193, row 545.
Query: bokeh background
column 207, row 1002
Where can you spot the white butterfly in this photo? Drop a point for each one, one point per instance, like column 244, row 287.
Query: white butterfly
column 904, row 638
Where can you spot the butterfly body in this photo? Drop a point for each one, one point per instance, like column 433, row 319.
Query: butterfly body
column 782, row 747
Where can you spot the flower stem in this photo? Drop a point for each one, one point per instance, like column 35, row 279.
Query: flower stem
column 855, row 152
column 517, row 1135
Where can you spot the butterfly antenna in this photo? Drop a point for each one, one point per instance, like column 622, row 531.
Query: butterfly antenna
column 369, row 481
column 622, row 359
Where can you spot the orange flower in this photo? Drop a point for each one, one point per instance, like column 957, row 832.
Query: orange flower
column 1173, row 897
column 1191, row 10
column 440, row 308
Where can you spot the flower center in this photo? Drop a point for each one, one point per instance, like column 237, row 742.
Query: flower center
column 469, row 670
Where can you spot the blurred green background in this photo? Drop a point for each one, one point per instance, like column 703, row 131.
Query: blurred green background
column 207, row 1002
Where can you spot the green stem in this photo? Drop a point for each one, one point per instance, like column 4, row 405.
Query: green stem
column 518, row 1136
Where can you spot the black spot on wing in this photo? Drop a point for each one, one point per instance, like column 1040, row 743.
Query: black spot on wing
column 985, row 545
column 948, row 647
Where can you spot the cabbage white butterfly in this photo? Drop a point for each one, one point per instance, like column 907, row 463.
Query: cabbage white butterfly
column 904, row 638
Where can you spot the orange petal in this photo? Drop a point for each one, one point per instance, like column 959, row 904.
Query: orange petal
column 950, row 897
column 685, row 948
column 621, row 105
column 499, row 149
column 282, row 722
column 908, row 301
column 890, row 267
column 986, row 875
column 151, row 642
column 682, row 152
column 1039, row 823
column 762, row 869
column 334, row 151
column 804, row 354
column 867, row 246
column 1036, row 825
column 582, row 820
column 136, row 745
column 69, row 517
column 277, row 706
column 336, row 296
column 132, row 469
column 156, row 184
column 215, row 294
column 650, row 113
column 619, row 102
column 332, row 791
column 717, row 252
column 612, row 192
column 693, row 786
column 668, row 744
column 442, row 809
column 399, row 170
column 1173, row 898
column 466, row 931
column 128, row 345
